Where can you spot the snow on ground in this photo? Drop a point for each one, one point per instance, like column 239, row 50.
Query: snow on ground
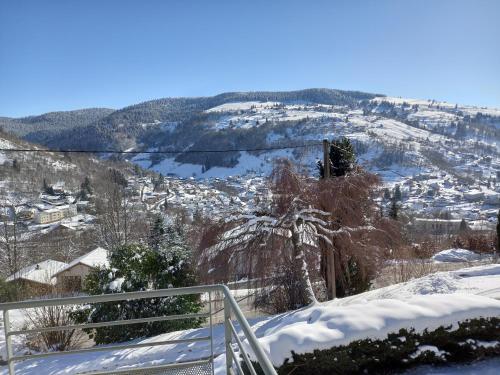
column 471, row 110
column 5, row 144
column 328, row 324
column 443, row 298
column 482, row 280
column 247, row 163
column 241, row 106
column 456, row 255
column 397, row 130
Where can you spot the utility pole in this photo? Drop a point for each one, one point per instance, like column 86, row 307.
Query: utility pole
column 326, row 158
column 329, row 256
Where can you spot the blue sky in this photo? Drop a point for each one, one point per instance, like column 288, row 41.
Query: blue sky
column 68, row 54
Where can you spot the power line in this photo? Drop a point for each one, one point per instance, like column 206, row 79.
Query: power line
column 157, row 151
column 165, row 151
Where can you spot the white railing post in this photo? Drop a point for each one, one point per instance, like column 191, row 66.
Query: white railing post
column 211, row 331
column 8, row 341
column 228, row 335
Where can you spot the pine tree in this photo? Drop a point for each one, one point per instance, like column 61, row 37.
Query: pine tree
column 16, row 166
column 394, row 209
column 387, row 194
column 135, row 268
column 463, row 226
column 86, row 186
column 118, row 177
column 341, row 156
column 397, row 193
column 157, row 233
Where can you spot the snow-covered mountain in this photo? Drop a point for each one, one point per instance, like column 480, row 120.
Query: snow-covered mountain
column 444, row 155
column 406, row 136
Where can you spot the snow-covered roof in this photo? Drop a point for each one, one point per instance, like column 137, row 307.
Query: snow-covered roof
column 96, row 258
column 42, row 272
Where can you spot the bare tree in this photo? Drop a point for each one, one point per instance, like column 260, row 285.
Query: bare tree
column 306, row 221
column 11, row 243
column 58, row 340
column 114, row 210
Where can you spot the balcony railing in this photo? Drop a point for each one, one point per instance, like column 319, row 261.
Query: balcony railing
column 235, row 351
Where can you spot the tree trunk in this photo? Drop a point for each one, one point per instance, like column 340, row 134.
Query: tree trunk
column 331, row 287
column 328, row 269
column 300, row 258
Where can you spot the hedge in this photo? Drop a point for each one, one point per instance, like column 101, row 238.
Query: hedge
column 474, row 339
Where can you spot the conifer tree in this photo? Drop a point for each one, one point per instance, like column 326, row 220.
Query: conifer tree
column 157, row 233
column 394, row 209
column 387, row 194
column 397, row 193
column 463, row 226
column 136, row 268
column 342, row 158
column 86, row 186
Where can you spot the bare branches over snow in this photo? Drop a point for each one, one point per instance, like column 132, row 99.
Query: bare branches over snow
column 304, row 222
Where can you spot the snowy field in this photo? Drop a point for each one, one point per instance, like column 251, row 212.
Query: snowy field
column 428, row 302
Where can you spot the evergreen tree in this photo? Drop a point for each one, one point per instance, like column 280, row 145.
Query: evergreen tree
column 45, row 186
column 387, row 194
column 16, row 165
column 341, row 156
column 86, row 186
column 118, row 177
column 135, row 268
column 158, row 182
column 397, row 193
column 157, row 233
column 394, row 209
column 137, row 170
column 461, row 131
column 463, row 226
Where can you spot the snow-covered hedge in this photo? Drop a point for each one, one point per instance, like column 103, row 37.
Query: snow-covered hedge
column 327, row 325
column 472, row 339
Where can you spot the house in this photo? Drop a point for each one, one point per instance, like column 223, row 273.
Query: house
column 482, row 226
column 55, row 214
column 437, row 226
column 37, row 279
column 26, row 213
column 71, row 277
column 492, row 198
column 474, row 195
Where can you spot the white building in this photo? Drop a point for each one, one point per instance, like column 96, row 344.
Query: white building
column 55, row 214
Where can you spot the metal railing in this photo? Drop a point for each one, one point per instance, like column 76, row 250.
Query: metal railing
column 231, row 337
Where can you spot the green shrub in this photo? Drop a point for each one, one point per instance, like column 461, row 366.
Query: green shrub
column 140, row 268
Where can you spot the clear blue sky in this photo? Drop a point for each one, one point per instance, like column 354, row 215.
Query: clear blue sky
column 60, row 55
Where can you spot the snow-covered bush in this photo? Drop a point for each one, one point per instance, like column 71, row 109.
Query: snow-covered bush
column 473, row 339
column 141, row 268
